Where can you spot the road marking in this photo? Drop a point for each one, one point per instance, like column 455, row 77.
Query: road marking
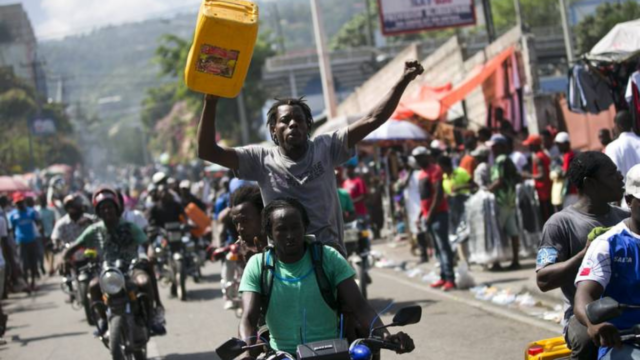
column 475, row 303
column 152, row 350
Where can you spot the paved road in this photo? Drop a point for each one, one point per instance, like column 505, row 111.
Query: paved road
column 44, row 327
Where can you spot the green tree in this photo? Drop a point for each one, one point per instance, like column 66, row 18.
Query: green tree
column 593, row 27
column 18, row 105
column 535, row 13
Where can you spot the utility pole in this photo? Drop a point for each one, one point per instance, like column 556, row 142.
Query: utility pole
column 371, row 39
column 244, row 123
column 276, row 15
column 518, row 7
column 488, row 19
column 568, row 40
column 326, row 74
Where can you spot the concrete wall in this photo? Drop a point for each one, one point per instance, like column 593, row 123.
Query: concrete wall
column 445, row 65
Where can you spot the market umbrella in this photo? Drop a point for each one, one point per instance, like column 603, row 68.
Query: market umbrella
column 60, row 169
column 622, row 42
column 12, row 184
column 397, row 130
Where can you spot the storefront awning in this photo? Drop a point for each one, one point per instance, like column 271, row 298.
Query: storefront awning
column 433, row 103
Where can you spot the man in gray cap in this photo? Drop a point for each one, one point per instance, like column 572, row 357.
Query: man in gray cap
column 504, row 178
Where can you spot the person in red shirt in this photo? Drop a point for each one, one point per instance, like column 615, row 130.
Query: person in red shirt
column 564, row 145
column 468, row 162
column 435, row 214
column 357, row 189
column 540, row 175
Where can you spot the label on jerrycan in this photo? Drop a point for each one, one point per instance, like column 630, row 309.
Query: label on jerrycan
column 215, row 60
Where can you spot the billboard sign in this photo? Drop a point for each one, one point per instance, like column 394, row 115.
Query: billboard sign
column 43, row 127
column 408, row 16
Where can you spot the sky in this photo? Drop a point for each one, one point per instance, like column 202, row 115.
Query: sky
column 53, row 19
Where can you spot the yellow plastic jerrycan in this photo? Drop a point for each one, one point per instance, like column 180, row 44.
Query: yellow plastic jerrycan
column 222, row 48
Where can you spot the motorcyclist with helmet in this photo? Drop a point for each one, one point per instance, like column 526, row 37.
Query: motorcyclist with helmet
column 116, row 239
column 166, row 209
column 70, row 226
column 188, row 197
column 295, row 311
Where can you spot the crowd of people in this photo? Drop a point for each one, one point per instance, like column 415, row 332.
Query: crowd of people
column 286, row 207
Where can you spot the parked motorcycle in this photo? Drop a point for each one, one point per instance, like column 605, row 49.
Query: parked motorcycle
column 84, row 267
column 357, row 240
column 177, row 257
column 126, row 307
column 336, row 349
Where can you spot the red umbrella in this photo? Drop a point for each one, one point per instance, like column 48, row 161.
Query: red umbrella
column 11, row 184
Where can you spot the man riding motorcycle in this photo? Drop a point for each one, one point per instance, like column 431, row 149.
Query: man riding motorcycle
column 70, row 226
column 115, row 238
column 295, row 311
column 165, row 210
column 610, row 269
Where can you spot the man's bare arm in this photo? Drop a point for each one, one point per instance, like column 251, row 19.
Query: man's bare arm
column 249, row 323
column 208, row 148
column 555, row 275
column 383, row 111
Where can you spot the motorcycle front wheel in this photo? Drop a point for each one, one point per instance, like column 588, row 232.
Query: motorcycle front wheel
column 181, row 280
column 83, row 294
column 117, row 339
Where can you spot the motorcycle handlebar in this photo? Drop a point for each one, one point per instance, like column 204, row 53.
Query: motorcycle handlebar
column 382, row 344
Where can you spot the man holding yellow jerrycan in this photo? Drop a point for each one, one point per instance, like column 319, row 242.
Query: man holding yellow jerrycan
column 298, row 167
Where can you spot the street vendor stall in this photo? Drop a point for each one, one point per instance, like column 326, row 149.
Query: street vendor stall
column 10, row 184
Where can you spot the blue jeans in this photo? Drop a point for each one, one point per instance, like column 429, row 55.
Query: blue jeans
column 439, row 231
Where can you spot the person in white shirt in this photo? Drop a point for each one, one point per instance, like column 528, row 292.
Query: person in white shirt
column 625, row 150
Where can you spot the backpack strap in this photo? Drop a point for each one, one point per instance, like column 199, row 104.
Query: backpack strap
column 266, row 280
column 326, row 289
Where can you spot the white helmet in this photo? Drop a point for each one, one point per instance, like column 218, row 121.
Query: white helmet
column 158, row 177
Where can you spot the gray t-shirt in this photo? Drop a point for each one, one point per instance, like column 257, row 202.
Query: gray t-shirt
column 565, row 235
column 310, row 180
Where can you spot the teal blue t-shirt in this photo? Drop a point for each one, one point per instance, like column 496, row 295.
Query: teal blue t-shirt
column 297, row 311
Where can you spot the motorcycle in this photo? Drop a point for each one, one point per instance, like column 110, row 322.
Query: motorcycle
column 598, row 312
column 76, row 282
column 336, row 349
column 358, row 245
column 606, row 309
column 177, row 257
column 126, row 307
column 230, row 255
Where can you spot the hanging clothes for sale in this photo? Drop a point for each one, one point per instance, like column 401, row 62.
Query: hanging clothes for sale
column 588, row 90
column 632, row 96
column 486, row 244
column 503, row 90
column 528, row 217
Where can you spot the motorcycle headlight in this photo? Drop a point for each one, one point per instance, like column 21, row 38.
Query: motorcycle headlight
column 112, row 281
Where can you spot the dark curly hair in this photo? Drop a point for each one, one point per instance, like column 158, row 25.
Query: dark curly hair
column 248, row 194
column 279, row 204
column 584, row 165
column 273, row 112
